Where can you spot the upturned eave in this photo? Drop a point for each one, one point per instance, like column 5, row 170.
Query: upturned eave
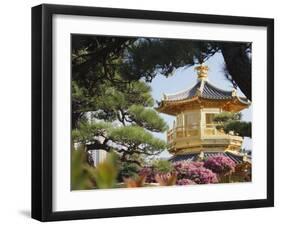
column 175, row 107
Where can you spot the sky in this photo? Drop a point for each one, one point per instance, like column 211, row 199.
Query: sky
column 184, row 78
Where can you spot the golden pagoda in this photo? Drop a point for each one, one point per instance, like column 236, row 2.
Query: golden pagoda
column 194, row 134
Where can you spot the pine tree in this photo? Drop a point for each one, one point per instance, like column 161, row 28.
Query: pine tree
column 123, row 121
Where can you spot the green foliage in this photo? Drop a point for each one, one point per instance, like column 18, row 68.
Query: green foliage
column 147, row 118
column 128, row 170
column 140, row 140
column 87, row 131
column 113, row 102
column 162, row 166
column 232, row 122
column 133, row 137
column 106, row 173
column 151, row 56
column 227, row 116
column 244, row 129
column 130, row 141
column 81, row 173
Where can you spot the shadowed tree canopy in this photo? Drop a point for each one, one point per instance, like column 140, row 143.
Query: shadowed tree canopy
column 98, row 58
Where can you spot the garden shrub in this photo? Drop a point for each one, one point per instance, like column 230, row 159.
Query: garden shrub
column 128, row 170
column 220, row 164
column 195, row 171
column 162, row 166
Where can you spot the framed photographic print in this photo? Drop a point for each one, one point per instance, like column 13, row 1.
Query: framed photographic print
column 147, row 112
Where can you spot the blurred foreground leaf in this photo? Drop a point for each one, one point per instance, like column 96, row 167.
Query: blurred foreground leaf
column 106, row 173
column 81, row 172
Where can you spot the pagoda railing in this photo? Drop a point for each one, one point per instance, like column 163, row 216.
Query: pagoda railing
column 211, row 130
column 181, row 132
column 207, row 130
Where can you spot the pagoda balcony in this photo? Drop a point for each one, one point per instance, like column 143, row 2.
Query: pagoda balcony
column 184, row 138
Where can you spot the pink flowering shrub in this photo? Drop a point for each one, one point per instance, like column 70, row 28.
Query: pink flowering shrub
column 182, row 167
column 185, row 182
column 195, row 171
column 220, row 164
column 215, row 169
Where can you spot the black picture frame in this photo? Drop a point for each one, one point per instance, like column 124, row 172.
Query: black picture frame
column 42, row 197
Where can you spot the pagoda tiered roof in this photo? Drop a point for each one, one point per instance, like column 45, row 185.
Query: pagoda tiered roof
column 202, row 94
column 203, row 89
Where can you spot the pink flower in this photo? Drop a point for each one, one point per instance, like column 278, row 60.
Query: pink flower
column 185, row 182
column 195, row 171
column 220, row 164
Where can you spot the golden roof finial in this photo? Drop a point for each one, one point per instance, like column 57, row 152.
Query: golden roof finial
column 202, row 71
